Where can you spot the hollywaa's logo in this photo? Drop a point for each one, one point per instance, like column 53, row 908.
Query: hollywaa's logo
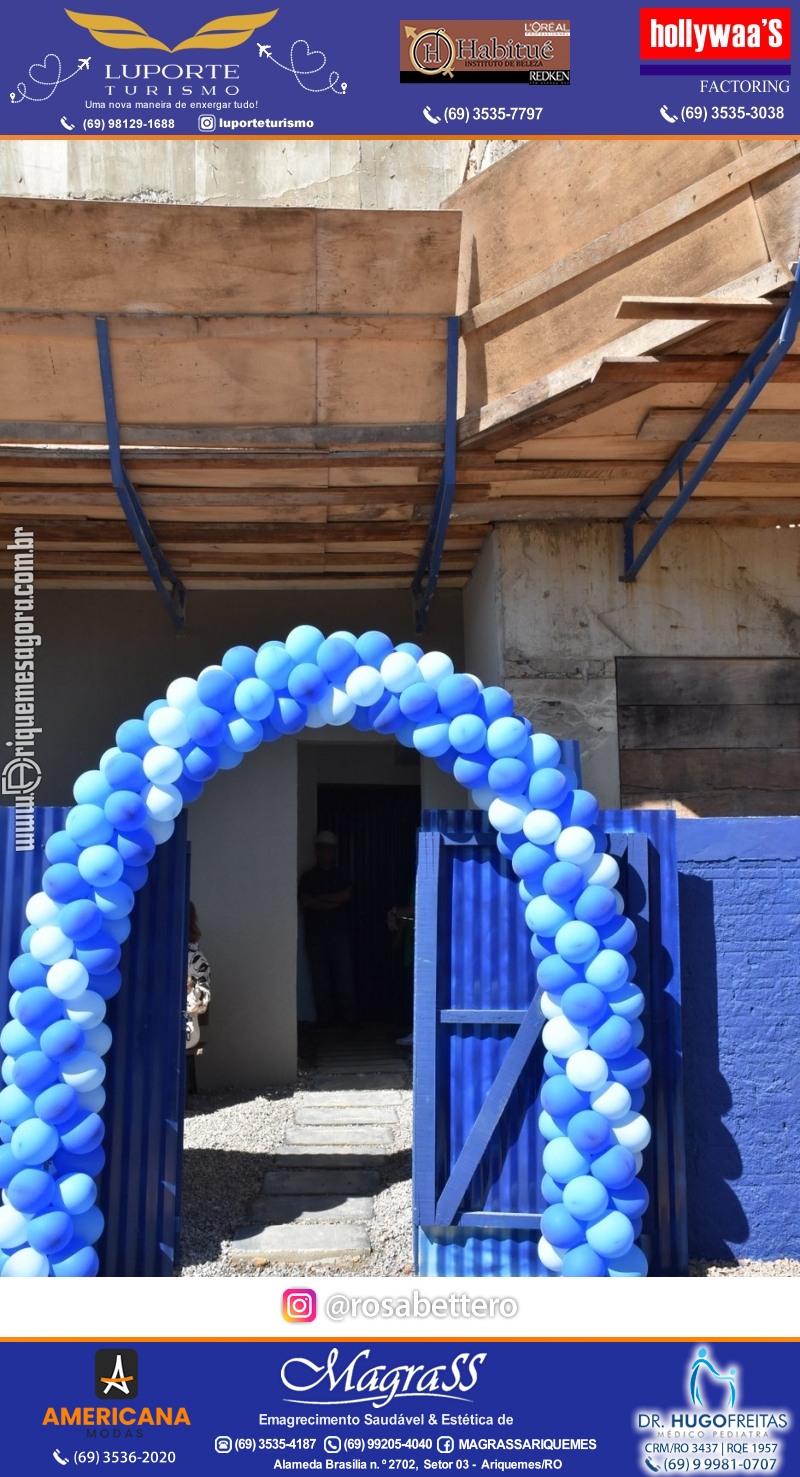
column 127, row 35
column 362, row 1383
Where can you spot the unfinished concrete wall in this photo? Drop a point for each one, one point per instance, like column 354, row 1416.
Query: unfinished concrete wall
column 564, row 617
column 346, row 174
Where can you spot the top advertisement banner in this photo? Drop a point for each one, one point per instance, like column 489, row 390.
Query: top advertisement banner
column 308, row 69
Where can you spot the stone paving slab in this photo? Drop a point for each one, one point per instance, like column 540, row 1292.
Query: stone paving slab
column 315, row 1182
column 283, row 1210
column 289, row 1157
column 349, row 1099
column 343, row 1114
column 360, row 1081
column 257, row 1246
column 348, row 1138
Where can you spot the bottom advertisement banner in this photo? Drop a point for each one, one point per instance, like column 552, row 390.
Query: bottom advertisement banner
column 380, row 1406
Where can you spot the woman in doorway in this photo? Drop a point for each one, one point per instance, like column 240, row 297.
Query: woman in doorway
column 198, row 994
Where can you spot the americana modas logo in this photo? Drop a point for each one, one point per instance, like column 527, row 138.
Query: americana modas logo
column 128, row 35
column 116, row 1374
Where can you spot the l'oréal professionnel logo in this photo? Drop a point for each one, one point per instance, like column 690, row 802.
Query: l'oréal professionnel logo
column 127, row 35
column 360, row 1382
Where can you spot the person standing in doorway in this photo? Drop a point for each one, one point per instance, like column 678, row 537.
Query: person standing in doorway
column 325, row 893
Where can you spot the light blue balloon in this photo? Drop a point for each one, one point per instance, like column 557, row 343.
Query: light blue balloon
column 87, row 825
column 585, row 1197
column 632, row 1264
column 92, row 788
column 564, row 1162
column 611, row 1236
column 303, row 643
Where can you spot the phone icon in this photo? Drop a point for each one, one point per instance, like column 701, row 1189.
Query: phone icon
column 70, row 127
column 431, row 117
column 665, row 113
column 62, row 1460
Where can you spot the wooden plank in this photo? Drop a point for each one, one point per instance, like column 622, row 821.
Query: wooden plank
column 711, row 726
column 69, row 435
column 731, row 802
column 702, row 771
column 705, row 680
column 700, row 309
column 243, row 581
column 386, row 261
column 94, row 257
column 757, row 426
column 644, row 227
column 757, row 512
column 367, row 383
column 704, row 369
column 199, row 328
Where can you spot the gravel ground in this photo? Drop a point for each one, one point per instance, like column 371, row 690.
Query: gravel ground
column 228, row 1140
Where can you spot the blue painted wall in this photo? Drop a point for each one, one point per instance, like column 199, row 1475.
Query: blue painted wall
column 739, row 891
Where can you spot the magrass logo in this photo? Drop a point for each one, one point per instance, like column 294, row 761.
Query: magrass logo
column 116, row 1374
column 128, row 35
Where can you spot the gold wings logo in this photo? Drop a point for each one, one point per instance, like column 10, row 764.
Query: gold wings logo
column 125, row 35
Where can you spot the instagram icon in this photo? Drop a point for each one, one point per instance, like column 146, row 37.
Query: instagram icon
column 299, row 1305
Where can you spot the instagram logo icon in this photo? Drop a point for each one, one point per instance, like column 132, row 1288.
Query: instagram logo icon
column 299, row 1305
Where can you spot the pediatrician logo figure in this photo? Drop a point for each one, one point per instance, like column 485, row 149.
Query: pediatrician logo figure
column 702, row 1362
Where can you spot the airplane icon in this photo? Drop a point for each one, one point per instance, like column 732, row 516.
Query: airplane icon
column 83, row 63
column 264, row 50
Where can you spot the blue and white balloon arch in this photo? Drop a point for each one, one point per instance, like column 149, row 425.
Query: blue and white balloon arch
column 51, row 1107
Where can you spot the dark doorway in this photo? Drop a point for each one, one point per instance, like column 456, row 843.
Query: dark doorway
column 377, row 830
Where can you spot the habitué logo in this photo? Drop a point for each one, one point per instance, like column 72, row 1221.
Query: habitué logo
column 116, row 1374
column 128, row 35
column 536, row 53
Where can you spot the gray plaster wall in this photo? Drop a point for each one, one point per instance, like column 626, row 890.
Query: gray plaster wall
column 552, row 593
column 345, row 174
column 104, row 657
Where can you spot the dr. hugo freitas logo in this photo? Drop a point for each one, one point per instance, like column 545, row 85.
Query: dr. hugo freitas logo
column 713, row 1413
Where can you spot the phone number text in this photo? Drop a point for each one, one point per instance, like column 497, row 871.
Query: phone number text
column 493, row 115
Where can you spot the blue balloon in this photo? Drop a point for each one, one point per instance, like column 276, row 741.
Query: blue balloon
column 612, row 1039
column 137, row 848
column 563, row 1161
column 555, row 974
column 17, row 1041
column 61, row 848
column 589, row 1131
column 202, row 764
column 560, row 1228
column 632, row 1264
column 64, row 883
column 609, row 970
column 50, row 1233
column 303, row 643
column 585, row 1197
column 458, row 694
column 273, row 665
column 584, row 1005
column 615, row 1169
column 373, row 647
column 552, row 1192
column 560, row 1098
column 619, row 934
column 15, row 1106
column 25, row 972
column 337, row 658
column 633, row 1200
column 240, row 661
column 547, row 788
column 157, row 703
column 9, row 1165
column 89, row 1226
column 495, row 703
column 612, row 1235
column 577, row 942
column 552, row 1066
column 419, row 702
column 125, row 810
column 506, row 738
column 583, row 1261
column 133, row 737
column 76, row 1261
column 106, row 985
column 56, row 1104
column 288, row 716
column 188, row 789
column 99, row 954
column 530, row 861
column 468, row 734
column 125, row 772
column 30, row 1191
column 85, row 1135
column 91, row 788
column 74, row 1193
column 65, row 1162
column 472, row 770
column 100, row 865
column 596, row 905
column 410, row 648
column 38, row 1008
column 307, row 683
column 562, row 880
column 34, row 1142
column 62, row 1040
column 579, row 808
column 134, row 877
column 215, row 688
column 431, row 739
column 508, row 776
column 207, row 728
column 244, row 735
column 632, row 1069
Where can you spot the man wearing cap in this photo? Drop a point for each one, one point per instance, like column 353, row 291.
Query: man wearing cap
column 325, row 893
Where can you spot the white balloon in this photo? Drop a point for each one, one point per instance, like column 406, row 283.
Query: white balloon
column 550, row 1007
column 507, row 813
column 49, row 945
column 41, row 909
column 548, row 1256
column 602, row 870
column 575, row 844
column 13, row 1227
column 434, row 666
column 587, row 1070
column 612, row 1100
column 632, row 1132
column 542, row 827
column 563, row 1038
column 88, row 1010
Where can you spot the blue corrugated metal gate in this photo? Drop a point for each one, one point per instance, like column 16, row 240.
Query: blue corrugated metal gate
column 478, row 1052
column 140, row 1185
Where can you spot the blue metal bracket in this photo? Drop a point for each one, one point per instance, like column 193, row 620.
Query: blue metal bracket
column 751, row 378
column 170, row 589
column 425, row 580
